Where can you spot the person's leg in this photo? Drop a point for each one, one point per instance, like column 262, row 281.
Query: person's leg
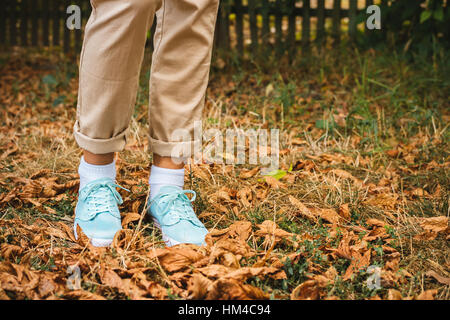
column 110, row 62
column 178, row 81
column 96, row 166
column 111, row 58
column 180, row 70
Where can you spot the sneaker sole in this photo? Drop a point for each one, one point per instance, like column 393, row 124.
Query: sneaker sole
column 167, row 240
column 94, row 241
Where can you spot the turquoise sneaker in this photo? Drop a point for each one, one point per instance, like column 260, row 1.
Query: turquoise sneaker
column 97, row 212
column 172, row 212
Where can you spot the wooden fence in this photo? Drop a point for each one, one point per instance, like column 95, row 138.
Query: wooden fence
column 280, row 25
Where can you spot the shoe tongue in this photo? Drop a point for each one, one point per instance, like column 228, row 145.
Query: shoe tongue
column 101, row 181
column 167, row 191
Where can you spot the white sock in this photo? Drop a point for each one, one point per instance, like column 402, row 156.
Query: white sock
column 160, row 177
column 90, row 172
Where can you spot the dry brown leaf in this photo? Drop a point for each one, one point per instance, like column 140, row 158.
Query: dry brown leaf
column 329, row 215
column 230, row 260
column 157, row 291
column 376, row 222
column 130, row 217
column 303, row 210
column 68, row 230
column 82, row 295
column 383, row 200
column 176, row 258
column 245, row 195
column 234, row 245
column 393, row 153
column 111, row 279
column 344, row 211
column 58, row 233
column 8, row 250
column 245, row 174
column 270, row 231
column 438, row 277
column 234, row 290
column 345, row 175
column 83, row 240
column 298, row 141
column 427, row 295
column 46, row 287
column 426, row 236
column 198, row 287
column 242, row 274
column 239, row 230
column 306, row 165
column 214, row 271
column 419, row 192
column 200, row 173
column 274, row 183
column 435, row 224
column 359, row 262
column 394, row 295
column 308, row 290
column 3, row 295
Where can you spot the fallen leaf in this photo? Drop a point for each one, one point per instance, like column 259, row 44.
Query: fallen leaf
column 303, row 210
column 344, row 211
column 234, row 290
column 329, row 215
column 274, row 183
column 435, row 224
column 438, row 277
column 270, row 231
column 427, row 295
column 198, row 287
column 130, row 217
column 308, row 290
column 394, row 295
column 246, row 174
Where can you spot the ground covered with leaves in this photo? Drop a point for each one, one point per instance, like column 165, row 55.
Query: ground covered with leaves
column 362, row 190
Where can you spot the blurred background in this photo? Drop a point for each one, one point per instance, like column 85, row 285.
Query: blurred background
column 254, row 26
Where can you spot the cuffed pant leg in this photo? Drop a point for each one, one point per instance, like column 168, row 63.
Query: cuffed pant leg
column 110, row 62
column 180, row 72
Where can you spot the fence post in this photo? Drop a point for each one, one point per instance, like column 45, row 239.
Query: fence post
column 306, row 24
column 24, row 23
column 66, row 32
column 320, row 22
column 45, row 18
column 3, row 24
column 56, row 23
column 226, row 24
column 253, row 26
column 368, row 3
column 278, row 28
column 266, row 22
column 12, row 23
column 35, row 11
column 291, row 29
column 239, row 27
column 352, row 19
column 222, row 26
column 336, row 21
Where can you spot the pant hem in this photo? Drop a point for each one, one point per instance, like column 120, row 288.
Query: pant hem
column 100, row 146
column 183, row 149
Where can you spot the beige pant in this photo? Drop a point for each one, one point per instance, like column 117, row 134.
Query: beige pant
column 111, row 59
